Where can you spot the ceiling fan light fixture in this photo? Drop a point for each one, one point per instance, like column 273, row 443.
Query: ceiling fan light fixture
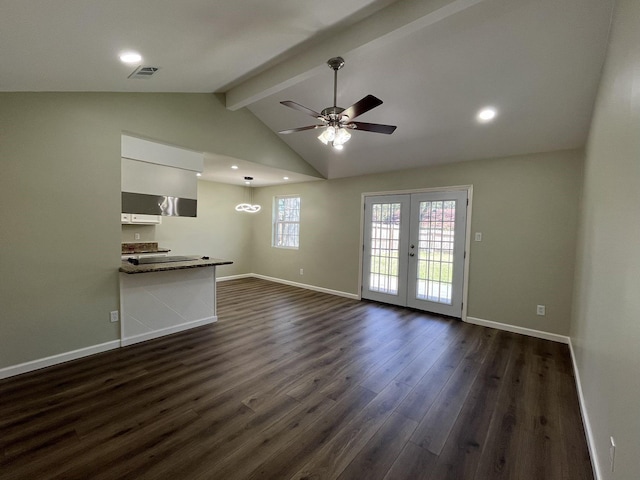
column 342, row 136
column 328, row 135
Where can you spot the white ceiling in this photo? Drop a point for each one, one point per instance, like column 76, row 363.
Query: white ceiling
column 219, row 168
column 434, row 63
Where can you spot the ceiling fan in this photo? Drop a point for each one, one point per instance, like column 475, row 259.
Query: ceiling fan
column 338, row 121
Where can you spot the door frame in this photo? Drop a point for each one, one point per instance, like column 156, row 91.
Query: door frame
column 467, row 240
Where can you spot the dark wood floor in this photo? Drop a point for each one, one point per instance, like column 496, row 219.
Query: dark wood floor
column 298, row 384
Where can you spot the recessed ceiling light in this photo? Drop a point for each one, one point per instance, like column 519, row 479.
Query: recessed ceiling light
column 487, row 114
column 130, row 57
column 285, row 178
column 234, row 167
column 198, row 174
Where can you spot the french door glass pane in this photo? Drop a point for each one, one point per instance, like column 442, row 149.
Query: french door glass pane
column 385, row 243
column 435, row 251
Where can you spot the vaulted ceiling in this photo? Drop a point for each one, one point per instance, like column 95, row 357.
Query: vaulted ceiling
column 434, row 63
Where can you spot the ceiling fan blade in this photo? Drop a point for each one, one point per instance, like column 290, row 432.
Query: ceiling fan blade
column 300, row 129
column 301, row 108
column 362, row 106
column 374, row 127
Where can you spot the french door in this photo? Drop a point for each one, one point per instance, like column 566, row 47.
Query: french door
column 414, row 248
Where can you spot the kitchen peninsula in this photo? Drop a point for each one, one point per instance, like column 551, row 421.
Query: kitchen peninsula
column 165, row 295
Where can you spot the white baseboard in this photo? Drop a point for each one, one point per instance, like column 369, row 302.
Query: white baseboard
column 307, row 287
column 56, row 359
column 585, row 418
column 143, row 337
column 521, row 330
column 234, row 277
column 293, row 284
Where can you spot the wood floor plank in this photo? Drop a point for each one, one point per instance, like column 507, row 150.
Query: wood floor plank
column 331, row 458
column 292, row 383
column 461, row 453
column 413, row 463
column 499, row 459
column 448, row 358
column 378, row 455
column 286, row 461
column 434, row 428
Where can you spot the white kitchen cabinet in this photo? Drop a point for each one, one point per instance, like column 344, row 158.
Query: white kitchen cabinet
column 140, row 219
column 146, row 219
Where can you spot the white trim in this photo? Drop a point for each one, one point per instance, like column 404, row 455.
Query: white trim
column 167, row 331
column 417, row 190
column 234, row 277
column 591, row 442
column 56, row 359
column 308, row 287
column 554, row 337
column 467, row 257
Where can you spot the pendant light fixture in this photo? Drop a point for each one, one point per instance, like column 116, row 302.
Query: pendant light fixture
column 248, row 207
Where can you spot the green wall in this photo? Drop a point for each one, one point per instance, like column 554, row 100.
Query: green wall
column 606, row 326
column 526, row 208
column 60, row 189
column 60, row 203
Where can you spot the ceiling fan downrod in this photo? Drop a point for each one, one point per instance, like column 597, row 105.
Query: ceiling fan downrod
column 335, row 63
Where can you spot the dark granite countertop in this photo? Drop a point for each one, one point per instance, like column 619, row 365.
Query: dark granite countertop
column 162, row 267
column 141, row 252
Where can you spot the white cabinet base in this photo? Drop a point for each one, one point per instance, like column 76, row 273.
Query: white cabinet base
column 160, row 303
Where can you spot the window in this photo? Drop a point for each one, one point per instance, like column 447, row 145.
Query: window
column 286, row 222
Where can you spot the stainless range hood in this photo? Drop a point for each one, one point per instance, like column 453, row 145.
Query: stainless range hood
column 159, row 179
column 164, row 205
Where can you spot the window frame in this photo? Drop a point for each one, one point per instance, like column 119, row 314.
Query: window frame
column 276, row 222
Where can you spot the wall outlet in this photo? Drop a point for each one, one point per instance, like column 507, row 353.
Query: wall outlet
column 136, row 236
column 478, row 236
column 114, row 316
column 541, row 310
column 612, row 452
column 302, row 271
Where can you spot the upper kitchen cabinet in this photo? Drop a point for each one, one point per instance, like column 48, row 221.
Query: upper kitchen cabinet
column 158, row 180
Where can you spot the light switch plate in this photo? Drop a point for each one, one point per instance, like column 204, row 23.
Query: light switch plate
column 478, row 236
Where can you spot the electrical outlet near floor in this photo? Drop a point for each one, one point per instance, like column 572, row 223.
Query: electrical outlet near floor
column 541, row 310
column 136, row 236
column 114, row 316
column 612, row 452
column 302, row 271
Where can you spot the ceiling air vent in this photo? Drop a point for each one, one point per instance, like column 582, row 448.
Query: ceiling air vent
column 144, row 72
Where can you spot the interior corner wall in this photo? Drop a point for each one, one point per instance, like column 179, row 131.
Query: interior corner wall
column 526, row 208
column 605, row 330
column 60, row 204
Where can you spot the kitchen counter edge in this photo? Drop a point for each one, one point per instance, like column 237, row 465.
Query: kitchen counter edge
column 162, row 267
